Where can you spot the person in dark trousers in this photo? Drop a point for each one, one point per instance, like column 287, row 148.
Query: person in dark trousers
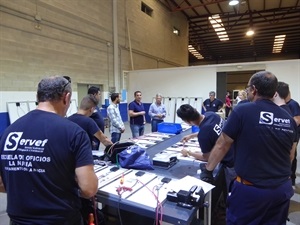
column 97, row 116
column 228, row 105
column 210, row 127
column 263, row 136
column 46, row 163
column 82, row 118
column 212, row 104
column 295, row 109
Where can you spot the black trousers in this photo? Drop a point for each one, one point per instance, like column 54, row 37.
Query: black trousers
column 76, row 223
column 294, row 168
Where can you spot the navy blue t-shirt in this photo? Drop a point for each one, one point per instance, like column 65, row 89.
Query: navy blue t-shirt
column 263, row 135
column 39, row 155
column 98, row 118
column 86, row 123
column 287, row 108
column 213, row 106
column 244, row 101
column 294, row 106
column 209, row 131
column 136, row 107
column 295, row 109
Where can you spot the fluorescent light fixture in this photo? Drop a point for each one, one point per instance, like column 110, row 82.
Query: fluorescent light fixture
column 194, row 52
column 220, row 29
column 278, row 43
column 218, row 26
column 250, row 32
column 233, row 2
column 175, row 31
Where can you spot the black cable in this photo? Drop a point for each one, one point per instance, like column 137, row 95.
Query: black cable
column 95, row 210
column 119, row 213
column 18, row 104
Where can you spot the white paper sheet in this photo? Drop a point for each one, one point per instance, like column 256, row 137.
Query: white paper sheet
column 182, row 184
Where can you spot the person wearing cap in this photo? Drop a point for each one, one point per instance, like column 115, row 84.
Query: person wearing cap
column 264, row 145
column 46, row 162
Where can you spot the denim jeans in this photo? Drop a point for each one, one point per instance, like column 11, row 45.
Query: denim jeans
column 154, row 123
column 137, row 130
column 115, row 137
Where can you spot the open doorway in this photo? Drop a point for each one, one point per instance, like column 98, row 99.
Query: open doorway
column 232, row 81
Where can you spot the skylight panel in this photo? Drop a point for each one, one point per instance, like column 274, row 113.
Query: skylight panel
column 278, row 43
column 194, row 52
column 218, row 26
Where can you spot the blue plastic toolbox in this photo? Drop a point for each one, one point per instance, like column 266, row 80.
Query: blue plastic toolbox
column 170, row 128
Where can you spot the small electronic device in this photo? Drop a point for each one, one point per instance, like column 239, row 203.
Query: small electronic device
column 139, row 173
column 184, row 205
column 172, row 196
column 166, row 180
column 187, row 199
column 113, row 169
column 193, row 189
column 164, row 160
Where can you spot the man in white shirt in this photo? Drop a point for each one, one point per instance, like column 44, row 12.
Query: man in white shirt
column 116, row 127
column 157, row 112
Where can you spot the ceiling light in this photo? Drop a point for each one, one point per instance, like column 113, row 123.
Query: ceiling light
column 220, row 29
column 233, row 2
column 175, row 31
column 278, row 43
column 250, row 32
column 194, row 52
column 218, row 26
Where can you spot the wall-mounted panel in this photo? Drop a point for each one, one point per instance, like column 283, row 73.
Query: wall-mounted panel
column 179, row 102
column 16, row 110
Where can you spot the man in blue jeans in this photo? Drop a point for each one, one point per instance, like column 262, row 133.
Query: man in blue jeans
column 136, row 112
column 116, row 127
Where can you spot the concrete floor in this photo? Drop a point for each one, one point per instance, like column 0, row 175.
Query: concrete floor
column 294, row 214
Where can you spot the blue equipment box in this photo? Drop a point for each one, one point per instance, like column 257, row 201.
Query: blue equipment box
column 195, row 129
column 171, row 128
